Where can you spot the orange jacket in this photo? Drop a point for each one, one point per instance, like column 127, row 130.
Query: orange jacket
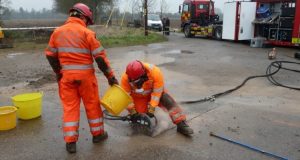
column 75, row 46
column 153, row 88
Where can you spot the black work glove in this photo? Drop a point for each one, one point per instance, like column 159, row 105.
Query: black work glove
column 151, row 115
column 112, row 81
column 58, row 77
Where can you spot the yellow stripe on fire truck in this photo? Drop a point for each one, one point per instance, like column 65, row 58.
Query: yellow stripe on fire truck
column 296, row 40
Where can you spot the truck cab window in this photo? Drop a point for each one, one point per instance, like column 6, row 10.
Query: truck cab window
column 203, row 6
column 185, row 8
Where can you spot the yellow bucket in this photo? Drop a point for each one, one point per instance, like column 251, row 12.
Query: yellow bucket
column 8, row 118
column 115, row 100
column 29, row 105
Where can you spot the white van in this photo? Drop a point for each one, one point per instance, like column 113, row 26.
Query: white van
column 154, row 22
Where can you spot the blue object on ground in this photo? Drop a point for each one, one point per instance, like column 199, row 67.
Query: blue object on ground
column 249, row 147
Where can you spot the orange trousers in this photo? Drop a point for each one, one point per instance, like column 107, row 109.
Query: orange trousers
column 73, row 87
column 166, row 102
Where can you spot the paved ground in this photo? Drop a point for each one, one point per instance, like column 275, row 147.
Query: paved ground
column 259, row 114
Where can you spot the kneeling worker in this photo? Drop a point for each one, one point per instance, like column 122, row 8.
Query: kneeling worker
column 145, row 84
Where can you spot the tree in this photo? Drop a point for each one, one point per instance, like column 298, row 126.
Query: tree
column 63, row 6
column 136, row 8
column 164, row 7
column 151, row 5
column 4, row 9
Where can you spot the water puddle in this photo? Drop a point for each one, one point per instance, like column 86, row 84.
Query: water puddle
column 151, row 55
column 155, row 46
column 187, row 52
column 173, row 52
column 177, row 51
column 12, row 55
column 154, row 58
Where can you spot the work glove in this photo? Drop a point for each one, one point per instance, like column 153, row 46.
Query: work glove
column 112, row 81
column 58, row 77
column 151, row 111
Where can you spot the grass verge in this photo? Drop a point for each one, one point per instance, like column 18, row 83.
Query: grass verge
column 130, row 38
column 109, row 39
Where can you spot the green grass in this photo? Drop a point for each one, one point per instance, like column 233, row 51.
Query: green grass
column 130, row 38
column 112, row 38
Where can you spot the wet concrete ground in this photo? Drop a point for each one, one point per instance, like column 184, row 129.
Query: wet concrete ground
column 259, row 114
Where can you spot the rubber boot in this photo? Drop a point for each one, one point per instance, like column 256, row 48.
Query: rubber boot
column 184, row 128
column 100, row 137
column 71, row 147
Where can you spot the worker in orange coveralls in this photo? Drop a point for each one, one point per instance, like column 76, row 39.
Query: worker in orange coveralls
column 71, row 51
column 145, row 83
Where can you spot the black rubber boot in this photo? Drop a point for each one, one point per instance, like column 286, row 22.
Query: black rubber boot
column 71, row 147
column 184, row 128
column 100, row 137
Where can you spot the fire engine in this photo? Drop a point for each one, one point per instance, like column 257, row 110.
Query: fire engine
column 198, row 18
column 277, row 22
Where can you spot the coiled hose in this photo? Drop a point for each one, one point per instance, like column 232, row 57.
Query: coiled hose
column 277, row 65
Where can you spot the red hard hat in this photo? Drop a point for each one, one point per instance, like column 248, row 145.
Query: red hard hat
column 85, row 11
column 135, row 70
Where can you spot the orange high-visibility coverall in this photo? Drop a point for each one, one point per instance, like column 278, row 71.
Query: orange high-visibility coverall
column 153, row 91
column 76, row 46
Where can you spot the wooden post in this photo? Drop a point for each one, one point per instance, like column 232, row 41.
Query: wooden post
column 146, row 17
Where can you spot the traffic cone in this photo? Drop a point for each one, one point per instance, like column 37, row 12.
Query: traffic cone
column 272, row 54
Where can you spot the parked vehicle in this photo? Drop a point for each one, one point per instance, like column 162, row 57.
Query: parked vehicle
column 277, row 22
column 154, row 22
column 198, row 18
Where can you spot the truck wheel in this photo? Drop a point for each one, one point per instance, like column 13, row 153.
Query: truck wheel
column 218, row 33
column 187, row 31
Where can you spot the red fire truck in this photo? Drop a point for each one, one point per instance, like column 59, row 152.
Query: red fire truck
column 198, row 18
column 275, row 21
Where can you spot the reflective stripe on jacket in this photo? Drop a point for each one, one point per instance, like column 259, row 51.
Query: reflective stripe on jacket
column 75, row 46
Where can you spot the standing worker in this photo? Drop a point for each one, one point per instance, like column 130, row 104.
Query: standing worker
column 70, row 53
column 166, row 26
column 145, row 84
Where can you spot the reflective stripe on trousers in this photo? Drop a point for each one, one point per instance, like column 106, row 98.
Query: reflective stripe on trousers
column 176, row 115
column 95, row 121
column 71, row 133
column 71, row 95
column 95, row 129
column 71, row 130
column 96, row 125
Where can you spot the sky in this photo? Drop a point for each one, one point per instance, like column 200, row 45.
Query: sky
column 29, row 4
column 40, row 4
column 174, row 4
